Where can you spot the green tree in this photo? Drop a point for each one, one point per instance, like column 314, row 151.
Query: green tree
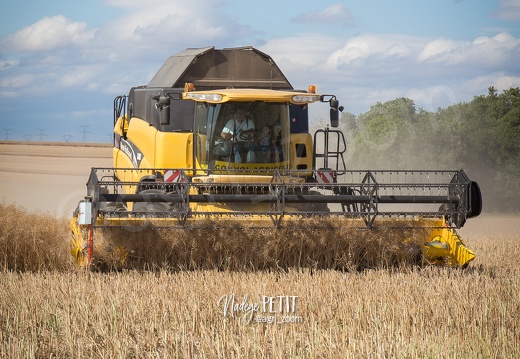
column 384, row 135
column 482, row 137
column 494, row 141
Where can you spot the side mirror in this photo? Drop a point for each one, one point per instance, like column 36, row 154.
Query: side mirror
column 335, row 108
column 163, row 105
column 334, row 117
column 164, row 114
column 164, row 101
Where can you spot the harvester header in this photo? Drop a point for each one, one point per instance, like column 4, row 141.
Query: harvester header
column 219, row 139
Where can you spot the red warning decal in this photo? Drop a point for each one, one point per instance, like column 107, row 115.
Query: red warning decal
column 324, row 176
column 174, row 176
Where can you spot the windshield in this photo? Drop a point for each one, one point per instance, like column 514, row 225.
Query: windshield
column 244, row 135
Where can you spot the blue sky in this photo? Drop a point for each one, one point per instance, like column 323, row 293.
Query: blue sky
column 62, row 62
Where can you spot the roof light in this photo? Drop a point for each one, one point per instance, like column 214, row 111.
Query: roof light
column 305, row 98
column 189, row 86
column 313, row 89
column 201, row 96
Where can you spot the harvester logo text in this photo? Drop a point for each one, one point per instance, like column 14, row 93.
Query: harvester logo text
column 132, row 152
column 270, row 309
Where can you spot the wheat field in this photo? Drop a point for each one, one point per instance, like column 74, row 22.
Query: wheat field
column 50, row 309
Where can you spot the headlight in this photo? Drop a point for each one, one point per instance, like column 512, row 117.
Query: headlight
column 305, row 98
column 208, row 97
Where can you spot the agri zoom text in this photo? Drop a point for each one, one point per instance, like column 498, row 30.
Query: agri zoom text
column 270, row 309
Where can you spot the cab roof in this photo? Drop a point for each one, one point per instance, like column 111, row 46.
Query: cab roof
column 209, row 68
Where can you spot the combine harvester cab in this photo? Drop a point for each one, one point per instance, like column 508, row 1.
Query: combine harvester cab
column 219, row 139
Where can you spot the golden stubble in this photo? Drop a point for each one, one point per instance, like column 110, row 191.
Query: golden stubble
column 55, row 310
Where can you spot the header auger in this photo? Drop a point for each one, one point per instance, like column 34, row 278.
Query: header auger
column 218, row 145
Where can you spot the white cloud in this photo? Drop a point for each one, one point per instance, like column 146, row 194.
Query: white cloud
column 77, row 77
column 500, row 51
column 302, row 59
column 380, row 46
column 509, row 10
column 439, row 50
column 163, row 23
column 125, row 52
column 18, row 81
column 128, row 4
column 290, row 49
column 433, row 72
column 335, row 13
column 399, row 50
column 62, row 55
column 499, row 80
column 481, row 52
column 433, row 97
column 47, row 34
column 445, row 95
column 392, row 52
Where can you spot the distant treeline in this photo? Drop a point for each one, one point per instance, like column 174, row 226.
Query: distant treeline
column 482, row 137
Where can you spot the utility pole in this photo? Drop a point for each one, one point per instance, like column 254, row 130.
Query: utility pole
column 6, row 133
column 27, row 137
column 67, row 137
column 84, row 132
column 41, row 133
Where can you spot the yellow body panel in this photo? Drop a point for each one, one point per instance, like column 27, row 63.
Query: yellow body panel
column 173, row 150
column 159, row 149
column 145, row 141
column 143, row 136
column 444, row 246
column 78, row 243
column 301, row 162
column 156, row 150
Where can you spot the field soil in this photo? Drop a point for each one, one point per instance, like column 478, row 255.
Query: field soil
column 48, row 177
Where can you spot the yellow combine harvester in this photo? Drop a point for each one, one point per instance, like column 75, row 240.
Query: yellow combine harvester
column 219, row 141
